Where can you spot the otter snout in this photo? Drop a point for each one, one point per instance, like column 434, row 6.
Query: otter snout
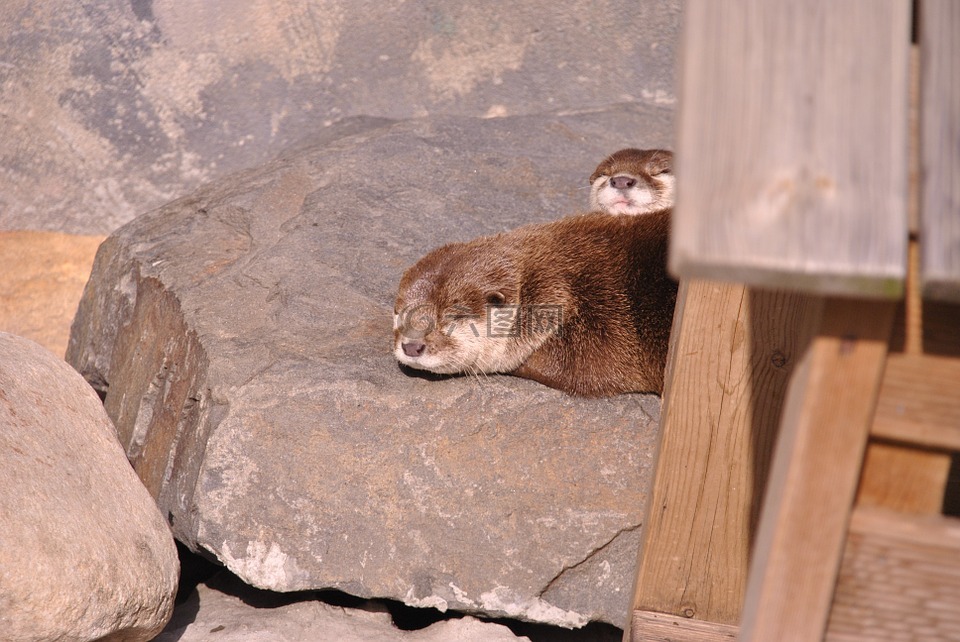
column 623, row 182
column 413, row 348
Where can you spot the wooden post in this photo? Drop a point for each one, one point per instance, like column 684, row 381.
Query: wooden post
column 815, row 472
column 732, row 351
column 792, row 174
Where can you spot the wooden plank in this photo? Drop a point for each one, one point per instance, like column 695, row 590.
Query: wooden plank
column 901, row 478
column 940, row 147
column 648, row 626
column 899, row 580
column 816, row 467
column 731, row 355
column 917, row 404
column 792, row 145
column 920, row 401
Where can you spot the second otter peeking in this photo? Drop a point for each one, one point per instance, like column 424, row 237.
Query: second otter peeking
column 633, row 181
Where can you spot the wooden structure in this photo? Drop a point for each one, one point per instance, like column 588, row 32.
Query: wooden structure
column 811, row 414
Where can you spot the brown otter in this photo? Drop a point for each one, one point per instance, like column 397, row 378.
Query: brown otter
column 633, row 181
column 583, row 304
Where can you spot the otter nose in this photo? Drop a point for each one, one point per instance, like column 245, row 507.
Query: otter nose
column 413, row 348
column 623, row 182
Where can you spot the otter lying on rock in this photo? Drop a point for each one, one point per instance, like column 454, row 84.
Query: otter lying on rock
column 583, row 304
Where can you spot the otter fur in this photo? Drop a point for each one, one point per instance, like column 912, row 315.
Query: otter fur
column 582, row 304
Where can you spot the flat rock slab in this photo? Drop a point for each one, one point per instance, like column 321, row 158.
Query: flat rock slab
column 84, row 552
column 242, row 336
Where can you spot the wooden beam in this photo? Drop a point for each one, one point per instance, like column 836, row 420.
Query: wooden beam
column 816, row 468
column 732, row 351
column 661, row 627
column 792, row 145
column 940, row 147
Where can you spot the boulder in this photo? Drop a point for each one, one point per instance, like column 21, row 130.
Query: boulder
column 114, row 108
column 41, row 283
column 242, row 339
column 221, row 609
column 84, row 552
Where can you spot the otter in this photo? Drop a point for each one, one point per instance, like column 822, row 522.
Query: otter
column 583, row 304
column 633, row 181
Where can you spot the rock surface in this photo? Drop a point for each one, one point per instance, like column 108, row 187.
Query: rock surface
column 41, row 282
column 84, row 553
column 114, row 107
column 225, row 611
column 243, row 338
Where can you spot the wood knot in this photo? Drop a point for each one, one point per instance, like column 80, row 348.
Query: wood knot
column 778, row 359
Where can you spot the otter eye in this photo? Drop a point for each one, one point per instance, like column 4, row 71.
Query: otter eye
column 496, row 298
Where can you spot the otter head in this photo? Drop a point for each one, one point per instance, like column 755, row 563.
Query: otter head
column 633, row 181
column 457, row 310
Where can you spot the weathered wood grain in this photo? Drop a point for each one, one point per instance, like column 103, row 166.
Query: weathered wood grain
column 792, row 145
column 940, row 147
column 815, row 471
column 648, row 626
column 899, row 580
column 731, row 355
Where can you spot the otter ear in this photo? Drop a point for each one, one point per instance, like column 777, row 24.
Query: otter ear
column 496, row 298
column 665, row 164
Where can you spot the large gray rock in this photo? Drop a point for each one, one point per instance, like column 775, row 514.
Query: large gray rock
column 242, row 337
column 84, row 552
column 114, row 107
